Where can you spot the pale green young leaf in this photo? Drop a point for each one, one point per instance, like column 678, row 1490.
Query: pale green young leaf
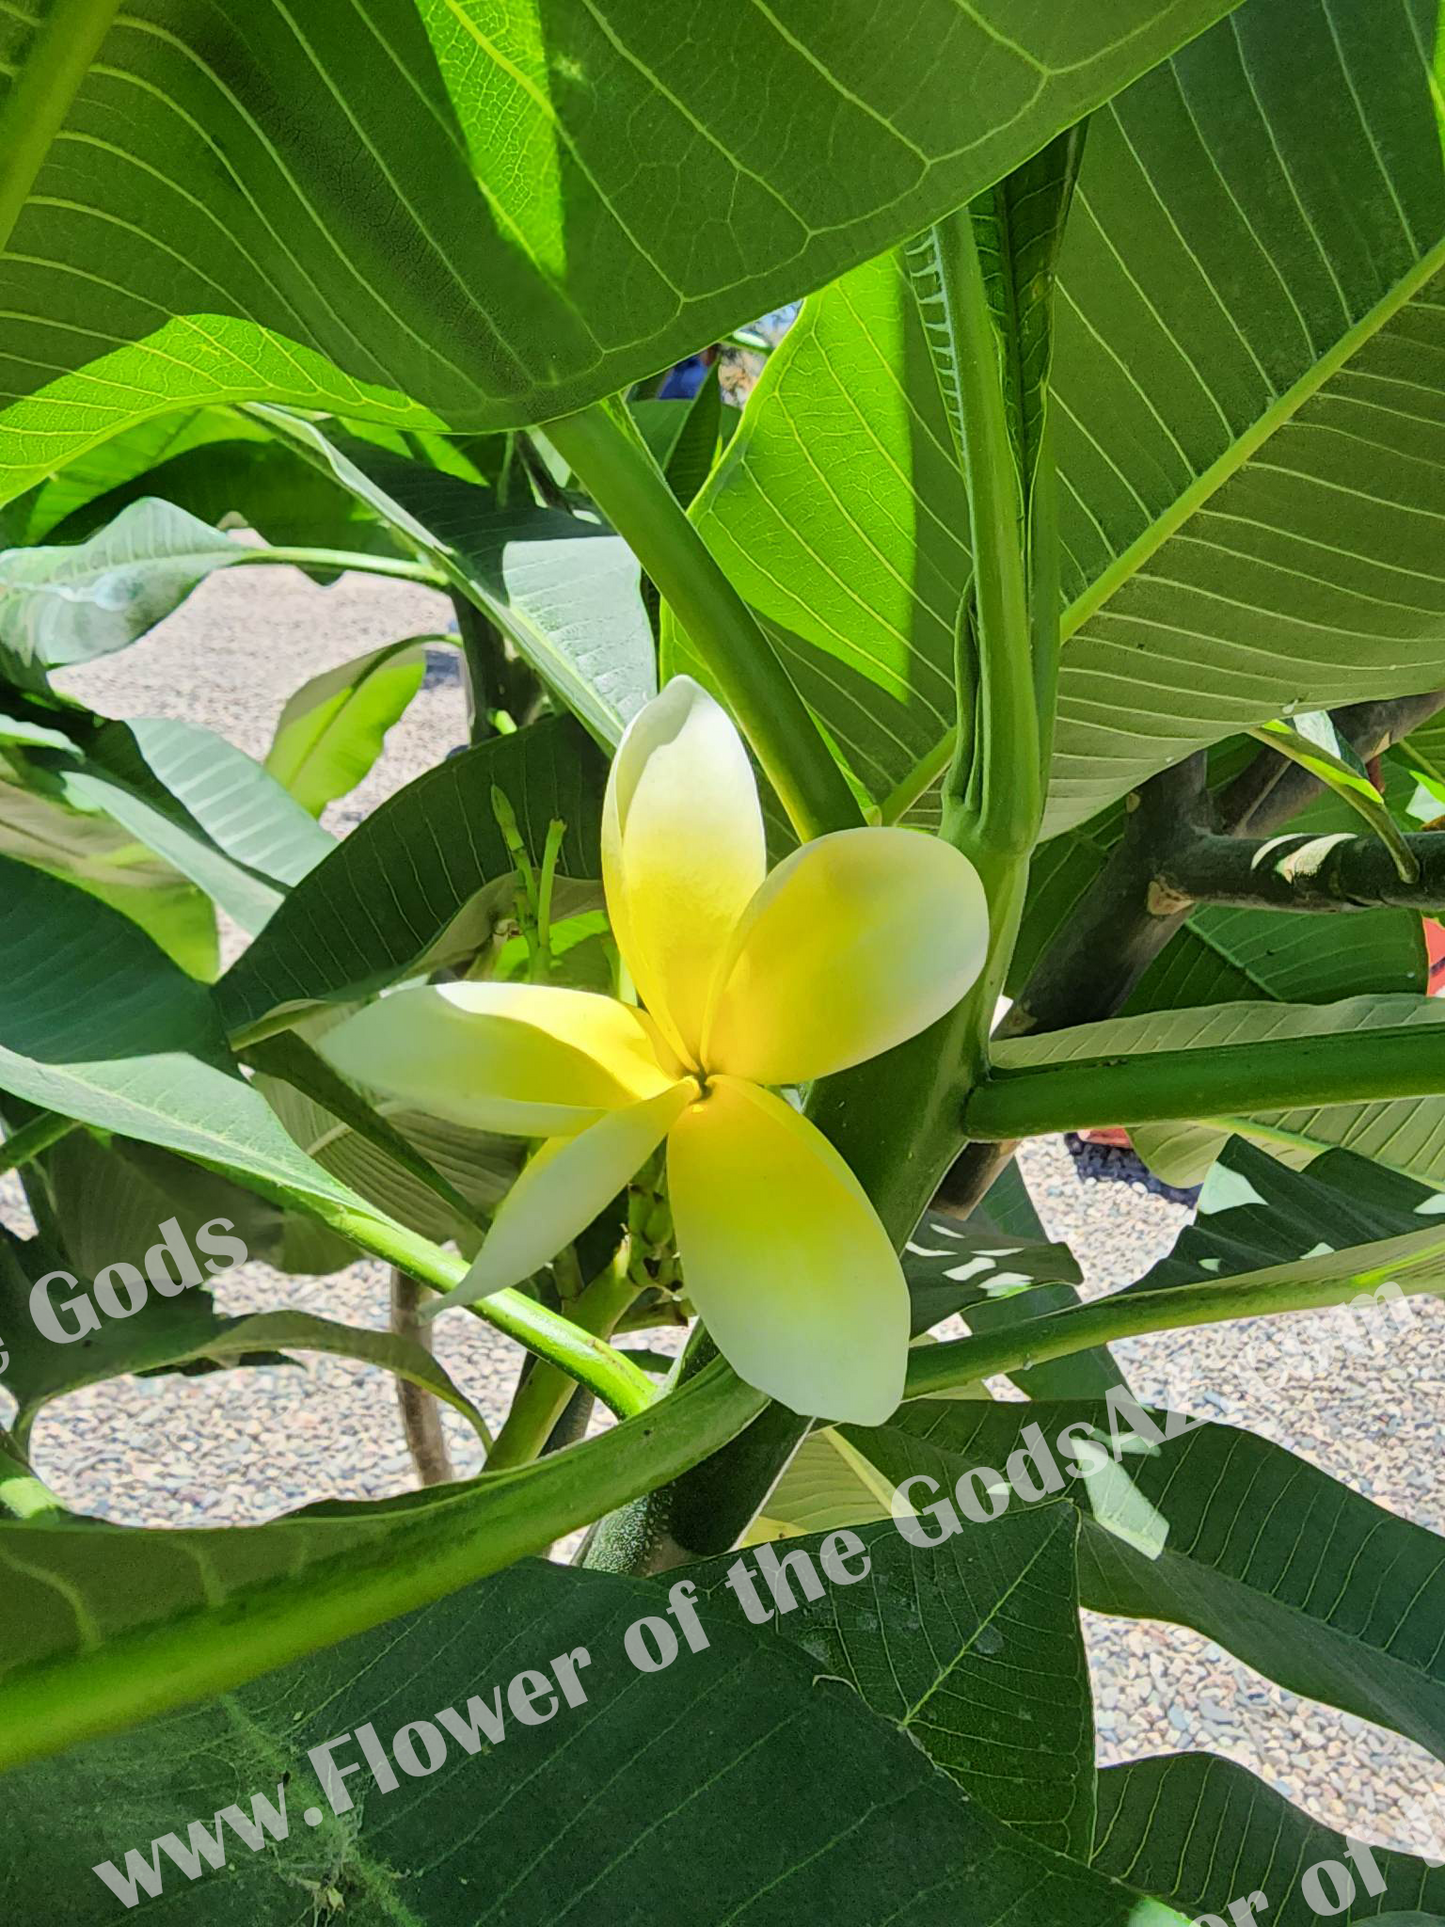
column 333, row 729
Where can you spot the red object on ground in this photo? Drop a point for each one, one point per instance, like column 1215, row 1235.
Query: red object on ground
column 1435, row 950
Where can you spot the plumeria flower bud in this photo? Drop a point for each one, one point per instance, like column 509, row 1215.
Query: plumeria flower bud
column 748, row 980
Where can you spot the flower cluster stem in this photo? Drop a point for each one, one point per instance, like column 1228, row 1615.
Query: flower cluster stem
column 611, row 458
column 542, row 1397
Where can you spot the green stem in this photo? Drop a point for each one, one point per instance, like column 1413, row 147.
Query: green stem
column 41, row 94
column 1148, row 1087
column 992, row 798
column 350, row 1568
column 355, row 559
column 33, row 1138
column 1135, row 1314
column 619, row 472
column 22, row 1495
column 543, row 1396
column 620, row 1384
column 541, row 960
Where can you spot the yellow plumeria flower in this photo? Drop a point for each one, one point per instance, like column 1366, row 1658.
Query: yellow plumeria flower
column 855, row 942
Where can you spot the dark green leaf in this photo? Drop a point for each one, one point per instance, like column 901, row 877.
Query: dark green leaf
column 1296, row 1575
column 1202, row 1832
column 974, row 1650
column 673, row 1778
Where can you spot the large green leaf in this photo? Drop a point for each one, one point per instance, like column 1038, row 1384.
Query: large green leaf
column 1202, row 1831
column 1255, row 1212
column 634, row 1797
column 984, row 1667
column 563, row 591
column 1212, row 1528
column 390, row 894
column 1252, row 469
column 437, row 217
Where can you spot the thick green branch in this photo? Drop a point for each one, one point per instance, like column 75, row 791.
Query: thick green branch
column 623, row 479
column 1133, row 1314
column 1305, row 873
column 1224, row 1080
column 993, row 796
column 432, row 1545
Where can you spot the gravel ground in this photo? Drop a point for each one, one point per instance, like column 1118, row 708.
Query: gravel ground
column 236, row 1447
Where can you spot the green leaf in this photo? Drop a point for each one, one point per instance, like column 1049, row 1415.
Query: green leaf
column 997, row 1282
column 98, row 1024
column 257, row 483
column 1199, row 1830
column 332, row 730
column 41, row 825
column 1315, row 744
column 124, row 461
column 476, row 1164
column 1235, row 357
column 1255, row 1212
column 194, row 800
column 827, row 1484
column 174, row 1333
column 107, row 1197
column 1019, row 226
column 563, row 591
column 483, row 249
column 206, row 782
column 684, row 435
column 397, row 890
column 1302, row 1579
column 72, row 603
column 869, row 1829
column 952, row 1265
column 346, row 1118
column 984, row 1668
